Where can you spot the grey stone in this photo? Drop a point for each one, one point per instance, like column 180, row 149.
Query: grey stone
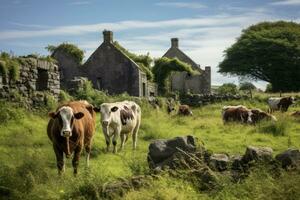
column 162, row 151
column 219, row 162
column 289, row 158
column 258, row 154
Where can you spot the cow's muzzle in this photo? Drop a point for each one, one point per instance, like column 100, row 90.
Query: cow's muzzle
column 104, row 123
column 66, row 133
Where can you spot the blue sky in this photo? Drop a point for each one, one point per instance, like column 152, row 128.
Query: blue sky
column 205, row 28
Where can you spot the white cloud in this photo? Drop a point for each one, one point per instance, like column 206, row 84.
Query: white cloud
column 192, row 5
column 286, row 3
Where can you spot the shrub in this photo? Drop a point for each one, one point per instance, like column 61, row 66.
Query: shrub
column 8, row 112
column 227, row 88
column 64, row 96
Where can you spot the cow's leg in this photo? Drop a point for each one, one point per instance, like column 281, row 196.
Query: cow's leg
column 135, row 132
column 115, row 137
column 59, row 160
column 123, row 139
column 75, row 161
column 88, row 151
column 107, row 138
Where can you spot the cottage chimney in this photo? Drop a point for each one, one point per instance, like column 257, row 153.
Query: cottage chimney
column 174, row 42
column 108, row 36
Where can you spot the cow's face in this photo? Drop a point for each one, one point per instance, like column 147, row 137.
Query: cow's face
column 66, row 117
column 106, row 113
column 246, row 115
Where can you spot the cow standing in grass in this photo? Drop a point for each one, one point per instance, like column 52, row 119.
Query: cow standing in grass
column 238, row 113
column 280, row 103
column 258, row 115
column 71, row 128
column 120, row 119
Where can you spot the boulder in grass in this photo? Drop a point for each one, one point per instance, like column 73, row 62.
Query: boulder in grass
column 289, row 158
column 161, row 152
column 219, row 162
column 262, row 154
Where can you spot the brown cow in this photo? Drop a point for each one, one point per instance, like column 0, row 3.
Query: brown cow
column 280, row 103
column 236, row 113
column 184, row 110
column 258, row 115
column 71, row 128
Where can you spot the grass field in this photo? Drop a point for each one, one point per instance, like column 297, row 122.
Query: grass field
column 28, row 167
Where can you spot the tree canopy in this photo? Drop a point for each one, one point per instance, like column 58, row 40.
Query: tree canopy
column 268, row 51
column 246, row 86
column 163, row 68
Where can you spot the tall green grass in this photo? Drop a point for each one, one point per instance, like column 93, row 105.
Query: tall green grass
column 28, row 166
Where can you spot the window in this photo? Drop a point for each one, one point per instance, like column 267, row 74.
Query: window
column 42, row 80
column 144, row 89
column 99, row 83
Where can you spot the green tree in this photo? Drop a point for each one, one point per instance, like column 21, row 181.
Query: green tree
column 227, row 88
column 268, row 51
column 246, row 86
column 163, row 68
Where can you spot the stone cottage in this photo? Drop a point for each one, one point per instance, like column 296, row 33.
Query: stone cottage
column 183, row 81
column 109, row 69
column 38, row 78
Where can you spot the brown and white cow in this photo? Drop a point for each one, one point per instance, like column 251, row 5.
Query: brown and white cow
column 184, row 110
column 280, row 103
column 238, row 113
column 71, row 128
column 120, row 119
column 258, row 115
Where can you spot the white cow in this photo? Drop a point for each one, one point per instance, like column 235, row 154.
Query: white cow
column 120, row 119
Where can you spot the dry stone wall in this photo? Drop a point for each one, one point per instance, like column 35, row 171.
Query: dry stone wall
column 38, row 78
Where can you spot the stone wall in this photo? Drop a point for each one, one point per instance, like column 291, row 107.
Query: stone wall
column 37, row 79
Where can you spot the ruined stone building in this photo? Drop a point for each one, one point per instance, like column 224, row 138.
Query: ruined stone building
column 37, row 78
column 109, row 69
column 183, row 81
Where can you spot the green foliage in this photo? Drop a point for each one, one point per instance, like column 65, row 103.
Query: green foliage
column 267, row 51
column 227, row 88
column 8, row 113
column 246, row 86
column 9, row 66
column 144, row 61
column 163, row 67
column 71, row 49
column 278, row 128
column 64, row 96
column 269, row 88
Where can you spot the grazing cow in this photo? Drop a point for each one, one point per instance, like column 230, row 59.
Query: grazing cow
column 236, row 113
column 71, row 128
column 280, row 103
column 120, row 119
column 184, row 110
column 258, row 115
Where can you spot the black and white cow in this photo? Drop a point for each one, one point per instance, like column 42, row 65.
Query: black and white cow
column 280, row 103
column 120, row 119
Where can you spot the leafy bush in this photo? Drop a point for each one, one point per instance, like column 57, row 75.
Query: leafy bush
column 246, row 86
column 7, row 113
column 227, row 88
column 9, row 66
column 163, row 68
column 71, row 49
column 64, row 96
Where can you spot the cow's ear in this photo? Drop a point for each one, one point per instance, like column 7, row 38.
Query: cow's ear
column 52, row 115
column 114, row 109
column 96, row 109
column 78, row 115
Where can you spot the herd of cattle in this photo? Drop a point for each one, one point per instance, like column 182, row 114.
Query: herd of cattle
column 72, row 126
